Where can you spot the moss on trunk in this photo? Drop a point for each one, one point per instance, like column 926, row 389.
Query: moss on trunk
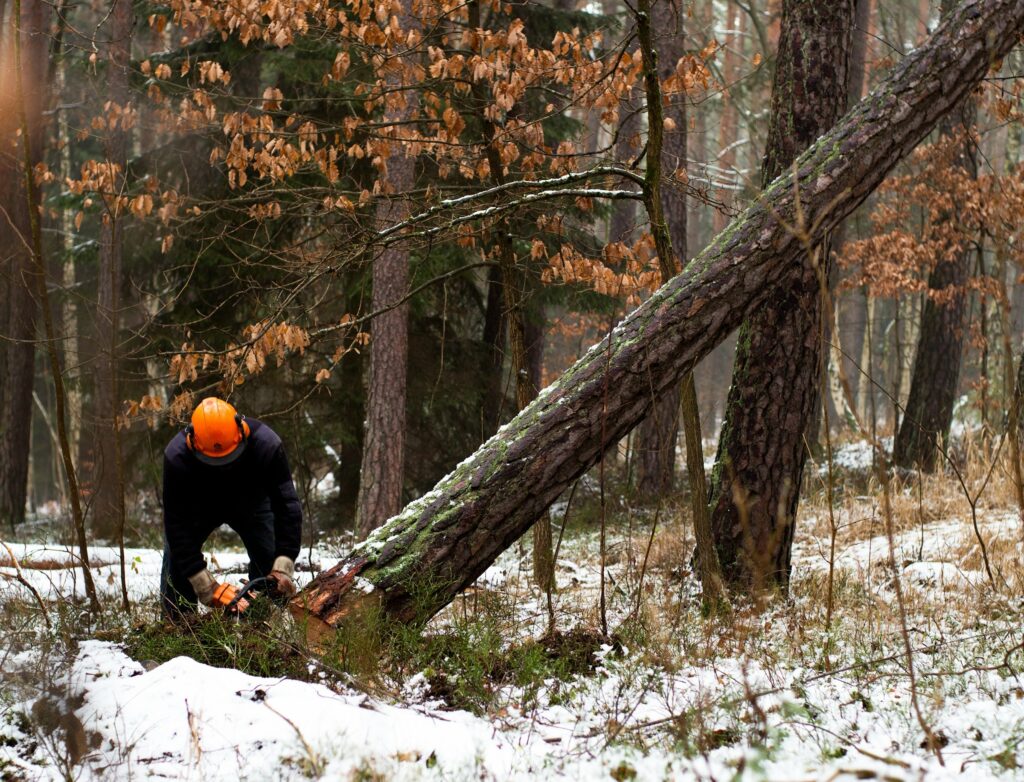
column 415, row 563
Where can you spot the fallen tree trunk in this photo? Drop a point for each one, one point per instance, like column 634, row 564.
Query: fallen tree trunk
column 414, row 564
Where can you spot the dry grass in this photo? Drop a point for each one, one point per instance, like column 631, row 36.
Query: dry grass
column 918, row 501
column 939, row 564
column 672, row 547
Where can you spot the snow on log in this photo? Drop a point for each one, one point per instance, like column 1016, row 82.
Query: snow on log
column 414, row 564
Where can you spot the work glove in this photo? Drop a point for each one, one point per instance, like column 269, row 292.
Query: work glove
column 203, row 584
column 281, row 574
column 215, row 595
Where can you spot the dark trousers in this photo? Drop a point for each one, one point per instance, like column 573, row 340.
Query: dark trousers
column 257, row 533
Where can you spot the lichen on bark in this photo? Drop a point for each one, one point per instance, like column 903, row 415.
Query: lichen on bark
column 560, row 435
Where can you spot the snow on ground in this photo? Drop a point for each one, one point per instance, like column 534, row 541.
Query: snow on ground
column 186, row 720
column 761, row 714
column 935, row 552
column 854, row 457
column 52, row 570
column 222, row 724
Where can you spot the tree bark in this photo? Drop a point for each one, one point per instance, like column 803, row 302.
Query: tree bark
column 107, row 473
column 940, row 344
column 18, row 308
column 23, row 105
column 653, row 200
column 723, row 170
column 623, row 210
column 728, row 129
column 413, row 565
column 853, row 307
column 755, row 487
column 656, row 448
column 383, row 464
column 865, row 370
column 69, row 306
column 543, row 549
column 382, row 468
column 836, row 364
column 1013, row 433
column 494, row 341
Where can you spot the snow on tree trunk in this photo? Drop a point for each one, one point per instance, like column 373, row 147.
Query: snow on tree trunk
column 415, row 563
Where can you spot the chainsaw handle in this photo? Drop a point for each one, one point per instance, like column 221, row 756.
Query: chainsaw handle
column 246, row 589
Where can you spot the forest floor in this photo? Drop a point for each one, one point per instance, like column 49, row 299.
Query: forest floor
column 795, row 691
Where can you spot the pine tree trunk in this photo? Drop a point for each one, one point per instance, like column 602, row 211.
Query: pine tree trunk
column 623, row 217
column 543, row 550
column 728, row 129
column 929, row 412
column 623, row 210
column 25, row 105
column 656, row 448
column 723, row 157
column 1013, row 433
column 656, row 444
column 383, row 463
column 382, row 467
column 106, row 476
column 855, row 306
column 69, row 306
column 655, row 71
column 17, row 354
column 776, row 378
column 838, row 404
column 413, row 565
column 18, row 309
column 493, row 338
column 865, row 372
column 839, row 385
column 940, row 344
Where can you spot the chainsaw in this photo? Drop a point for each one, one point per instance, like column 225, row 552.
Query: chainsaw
column 236, row 601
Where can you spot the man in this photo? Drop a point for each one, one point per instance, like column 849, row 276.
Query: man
column 226, row 469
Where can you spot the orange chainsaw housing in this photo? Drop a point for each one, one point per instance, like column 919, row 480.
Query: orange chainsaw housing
column 224, row 594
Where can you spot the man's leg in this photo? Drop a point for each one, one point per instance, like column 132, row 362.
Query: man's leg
column 177, row 596
column 257, row 534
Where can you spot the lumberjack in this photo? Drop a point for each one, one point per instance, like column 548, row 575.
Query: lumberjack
column 226, row 469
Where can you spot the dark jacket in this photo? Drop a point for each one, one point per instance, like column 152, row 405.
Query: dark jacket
column 198, row 497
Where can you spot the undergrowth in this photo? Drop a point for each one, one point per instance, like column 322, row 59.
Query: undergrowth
column 465, row 664
column 493, row 653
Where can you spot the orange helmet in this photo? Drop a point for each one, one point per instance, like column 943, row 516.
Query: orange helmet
column 217, row 434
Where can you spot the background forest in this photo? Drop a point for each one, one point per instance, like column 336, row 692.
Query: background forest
column 394, row 229
column 212, row 181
